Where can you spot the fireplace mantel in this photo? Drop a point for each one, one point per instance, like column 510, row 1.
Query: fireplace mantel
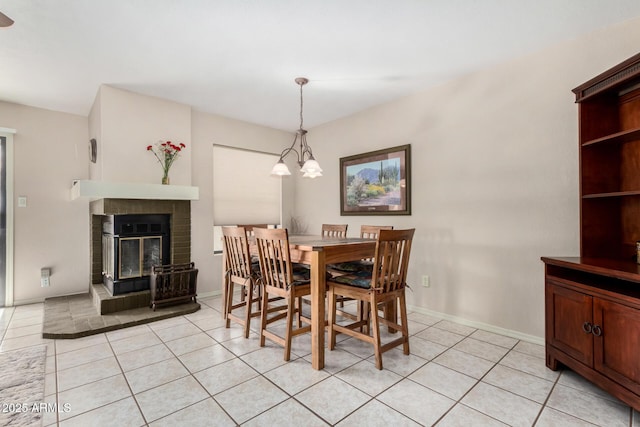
column 95, row 190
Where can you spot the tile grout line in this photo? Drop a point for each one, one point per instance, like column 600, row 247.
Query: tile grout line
column 144, row 418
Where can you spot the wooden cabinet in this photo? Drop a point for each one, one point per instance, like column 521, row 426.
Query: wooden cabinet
column 592, row 302
column 593, row 323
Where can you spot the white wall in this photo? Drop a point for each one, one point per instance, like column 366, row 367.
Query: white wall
column 129, row 123
column 495, row 178
column 52, row 231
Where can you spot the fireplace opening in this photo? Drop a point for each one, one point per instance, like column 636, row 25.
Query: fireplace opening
column 131, row 246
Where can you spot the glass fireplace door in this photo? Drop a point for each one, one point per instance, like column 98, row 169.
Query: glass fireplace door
column 129, row 257
column 151, row 253
column 138, row 255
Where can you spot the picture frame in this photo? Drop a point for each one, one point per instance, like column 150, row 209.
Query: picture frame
column 377, row 182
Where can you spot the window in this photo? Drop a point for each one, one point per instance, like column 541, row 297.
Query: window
column 243, row 190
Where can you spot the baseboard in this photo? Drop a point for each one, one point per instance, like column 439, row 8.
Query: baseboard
column 41, row 299
column 26, row 302
column 480, row 325
column 209, row 294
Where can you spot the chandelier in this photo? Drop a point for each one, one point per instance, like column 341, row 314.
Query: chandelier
column 308, row 165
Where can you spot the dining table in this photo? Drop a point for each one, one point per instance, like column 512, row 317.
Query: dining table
column 318, row 251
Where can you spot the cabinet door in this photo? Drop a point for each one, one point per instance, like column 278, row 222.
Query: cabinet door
column 617, row 342
column 568, row 312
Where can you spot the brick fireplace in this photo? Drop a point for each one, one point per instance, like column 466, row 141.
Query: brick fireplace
column 179, row 212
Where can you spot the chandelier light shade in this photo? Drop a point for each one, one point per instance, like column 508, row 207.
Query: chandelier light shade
column 309, row 167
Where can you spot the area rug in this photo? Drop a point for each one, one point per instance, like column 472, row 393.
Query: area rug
column 22, row 386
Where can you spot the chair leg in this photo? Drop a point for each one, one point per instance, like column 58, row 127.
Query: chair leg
column 229, row 302
column 299, row 311
column 263, row 317
column 375, row 326
column 225, row 295
column 363, row 314
column 258, row 289
column 405, row 326
column 291, row 301
column 332, row 318
column 247, row 315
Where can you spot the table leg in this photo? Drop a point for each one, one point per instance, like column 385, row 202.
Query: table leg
column 318, row 295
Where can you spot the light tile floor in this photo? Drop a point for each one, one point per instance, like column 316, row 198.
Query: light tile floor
column 192, row 371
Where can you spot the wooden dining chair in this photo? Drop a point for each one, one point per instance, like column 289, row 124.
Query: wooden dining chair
column 280, row 280
column 334, row 230
column 240, row 271
column 366, row 232
column 248, row 228
column 371, row 232
column 386, row 282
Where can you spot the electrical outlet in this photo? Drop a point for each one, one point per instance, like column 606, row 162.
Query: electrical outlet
column 425, row 281
column 44, row 277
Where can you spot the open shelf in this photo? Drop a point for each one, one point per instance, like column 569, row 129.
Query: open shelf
column 616, row 138
column 612, row 194
column 95, row 190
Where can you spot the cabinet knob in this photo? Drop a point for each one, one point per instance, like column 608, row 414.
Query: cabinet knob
column 596, row 330
column 586, row 327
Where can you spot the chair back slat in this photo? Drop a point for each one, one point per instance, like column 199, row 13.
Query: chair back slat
column 334, row 230
column 274, row 256
column 248, row 228
column 372, row 231
column 236, row 249
column 391, row 259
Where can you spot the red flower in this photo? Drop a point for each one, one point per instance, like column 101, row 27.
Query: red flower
column 166, row 152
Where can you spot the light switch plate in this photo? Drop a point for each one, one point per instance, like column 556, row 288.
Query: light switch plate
column 22, row 201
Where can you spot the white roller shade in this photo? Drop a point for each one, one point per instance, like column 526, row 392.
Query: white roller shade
column 243, row 190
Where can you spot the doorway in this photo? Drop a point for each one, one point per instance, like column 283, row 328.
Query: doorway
column 6, row 216
column 3, row 220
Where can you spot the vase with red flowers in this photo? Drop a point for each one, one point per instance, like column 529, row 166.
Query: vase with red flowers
column 166, row 152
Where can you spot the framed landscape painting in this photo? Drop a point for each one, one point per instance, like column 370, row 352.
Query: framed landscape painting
column 376, row 183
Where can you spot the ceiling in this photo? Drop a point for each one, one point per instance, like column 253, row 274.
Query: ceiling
column 239, row 58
